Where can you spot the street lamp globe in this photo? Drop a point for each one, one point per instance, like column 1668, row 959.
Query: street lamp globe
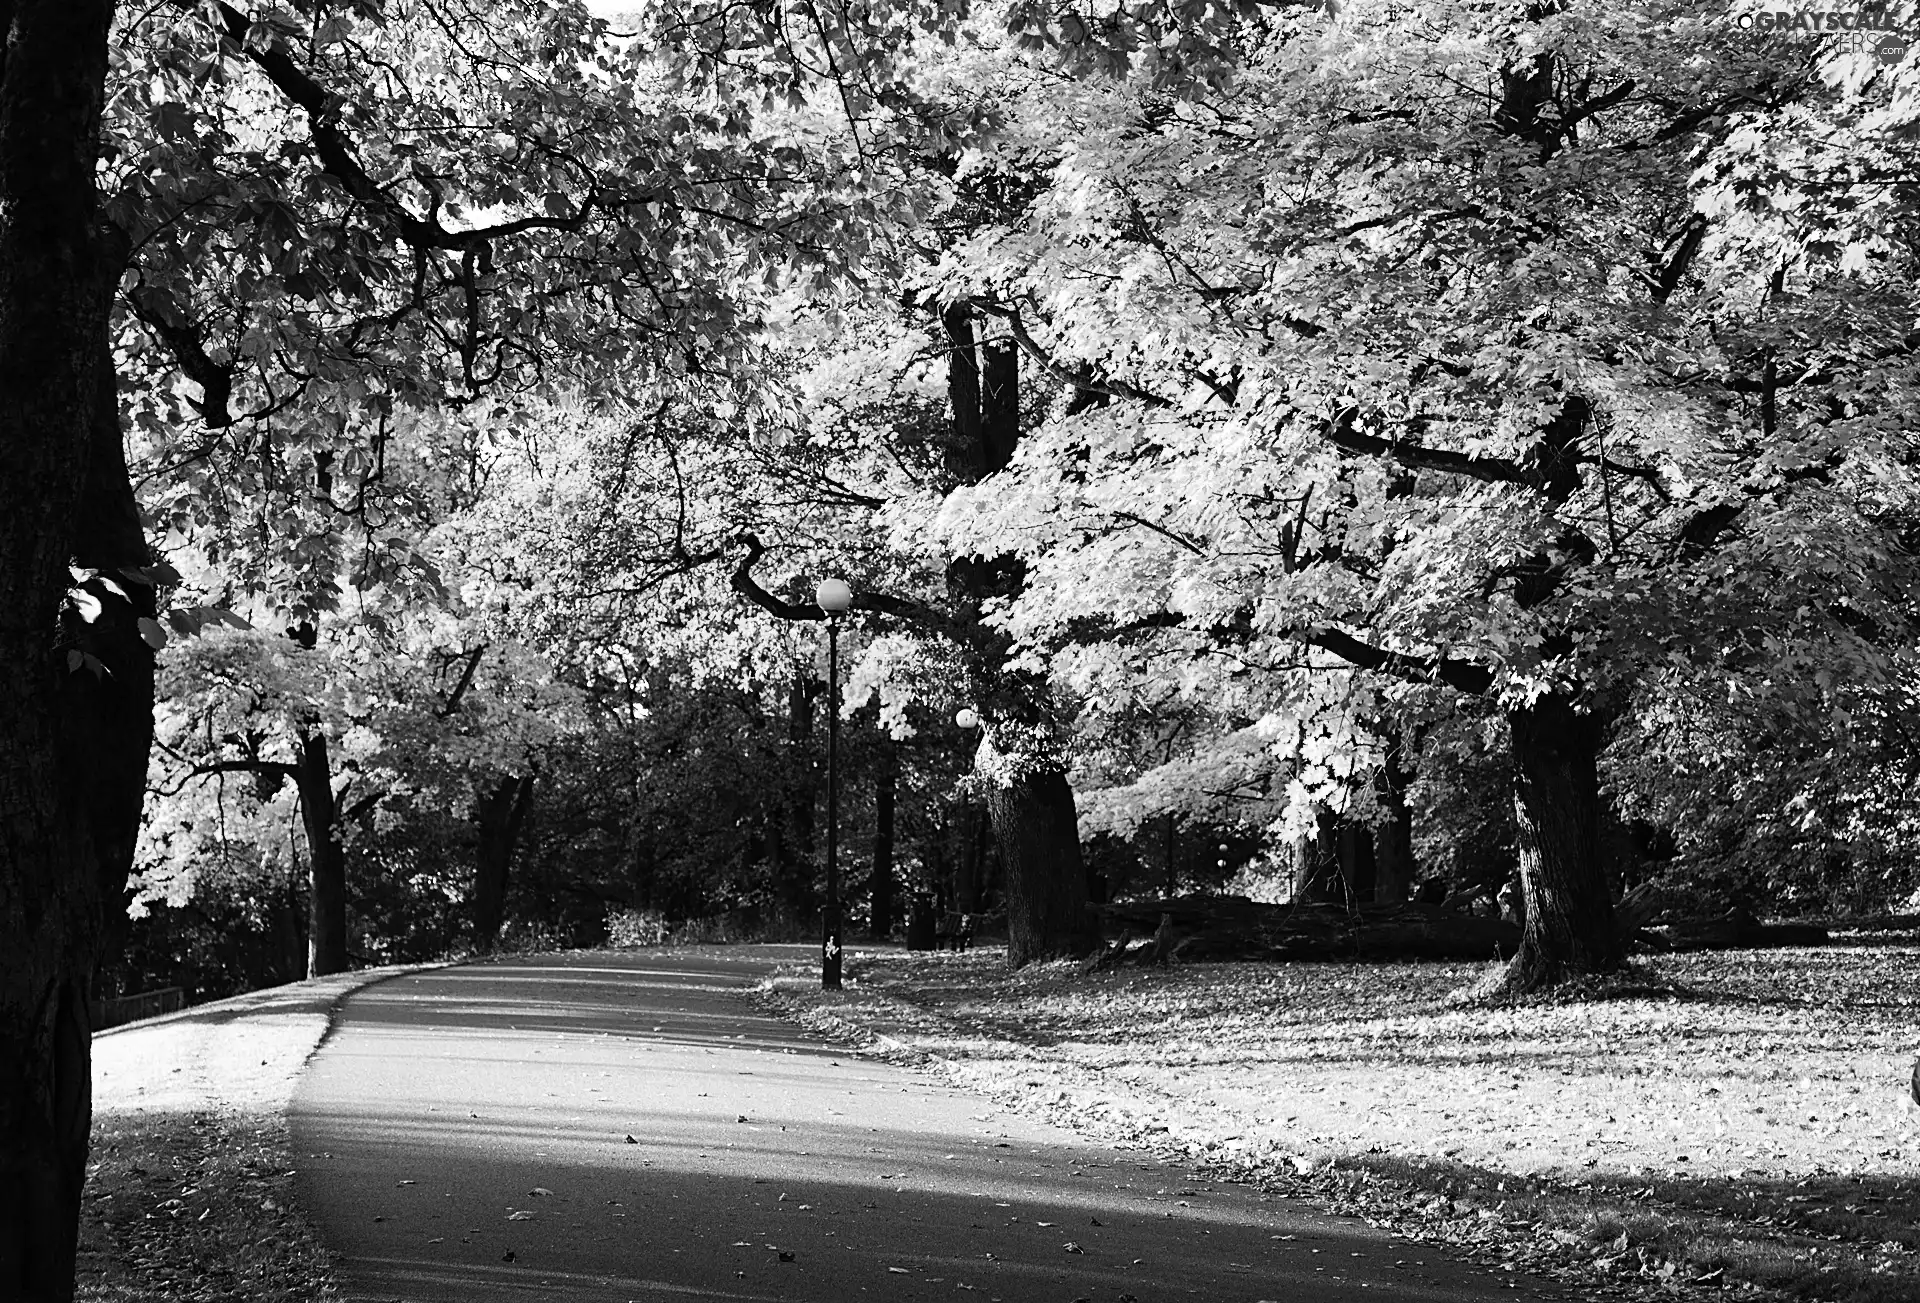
column 967, row 717
column 833, row 596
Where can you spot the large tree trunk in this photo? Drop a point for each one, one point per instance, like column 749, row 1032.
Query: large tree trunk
column 880, row 883
column 1032, row 812
column 63, row 811
column 1048, row 914
column 326, row 861
column 499, row 816
column 1569, row 927
column 1393, row 868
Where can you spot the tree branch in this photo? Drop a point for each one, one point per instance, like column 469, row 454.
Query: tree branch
column 1162, row 531
column 1031, row 347
column 901, row 608
column 279, row 768
column 466, row 681
column 1462, row 676
column 1342, row 432
column 337, row 155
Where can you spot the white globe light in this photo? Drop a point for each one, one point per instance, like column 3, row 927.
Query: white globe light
column 966, row 717
column 833, row 596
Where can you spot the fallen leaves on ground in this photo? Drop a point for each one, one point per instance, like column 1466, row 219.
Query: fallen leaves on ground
column 1741, row 1118
column 186, row 1207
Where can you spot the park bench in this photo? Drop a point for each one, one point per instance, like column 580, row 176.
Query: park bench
column 955, row 932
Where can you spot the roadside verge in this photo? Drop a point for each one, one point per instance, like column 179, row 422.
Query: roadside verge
column 1732, row 1124
column 189, row 1186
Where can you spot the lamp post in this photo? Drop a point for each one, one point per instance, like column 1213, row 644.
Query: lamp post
column 835, row 599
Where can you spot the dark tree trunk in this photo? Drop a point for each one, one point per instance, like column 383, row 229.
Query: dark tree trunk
column 1171, row 886
column 326, row 861
column 1393, row 838
column 1569, row 929
column 965, row 459
column 290, row 949
column 921, row 920
column 999, row 404
column 1033, row 816
column 65, row 811
column 880, row 883
column 499, row 816
column 970, row 864
column 1316, row 864
column 794, row 887
column 1048, row 914
column 1356, row 860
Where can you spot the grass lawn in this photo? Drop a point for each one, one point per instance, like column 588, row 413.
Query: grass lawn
column 1736, row 1122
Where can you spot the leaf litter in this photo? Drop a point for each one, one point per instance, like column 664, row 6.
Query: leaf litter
column 1727, row 1120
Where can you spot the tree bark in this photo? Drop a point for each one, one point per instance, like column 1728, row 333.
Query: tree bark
column 63, row 812
column 1393, row 838
column 880, row 883
column 794, row 888
column 1316, row 864
column 1032, row 814
column 1171, row 886
column 1357, row 870
column 326, row 861
column 1569, row 928
column 1048, row 914
column 498, row 816
column 975, row 830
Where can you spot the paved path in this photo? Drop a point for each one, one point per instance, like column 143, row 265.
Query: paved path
column 629, row 1128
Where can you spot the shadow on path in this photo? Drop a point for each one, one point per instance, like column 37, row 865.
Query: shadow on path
column 628, row 1127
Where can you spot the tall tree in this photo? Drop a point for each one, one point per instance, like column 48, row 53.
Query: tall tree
column 76, row 684
column 303, row 227
column 1508, row 395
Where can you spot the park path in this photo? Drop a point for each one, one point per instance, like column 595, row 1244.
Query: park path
column 629, row 1128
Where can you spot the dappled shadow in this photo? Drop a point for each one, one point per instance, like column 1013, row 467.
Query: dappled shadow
column 627, row 1127
column 622, row 1227
column 697, row 1002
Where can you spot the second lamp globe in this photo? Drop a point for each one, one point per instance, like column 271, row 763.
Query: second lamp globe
column 833, row 596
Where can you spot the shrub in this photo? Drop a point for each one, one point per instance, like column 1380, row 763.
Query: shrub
column 628, row 929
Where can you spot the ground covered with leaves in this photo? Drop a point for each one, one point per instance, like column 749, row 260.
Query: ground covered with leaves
column 189, row 1187
column 1734, row 1122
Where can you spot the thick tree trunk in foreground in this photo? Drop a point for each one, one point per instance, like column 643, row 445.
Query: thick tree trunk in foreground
column 1569, row 928
column 1048, row 914
column 880, row 882
column 499, row 816
column 62, row 821
column 326, row 861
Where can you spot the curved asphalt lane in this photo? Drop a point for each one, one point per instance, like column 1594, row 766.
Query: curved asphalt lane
column 629, row 1128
